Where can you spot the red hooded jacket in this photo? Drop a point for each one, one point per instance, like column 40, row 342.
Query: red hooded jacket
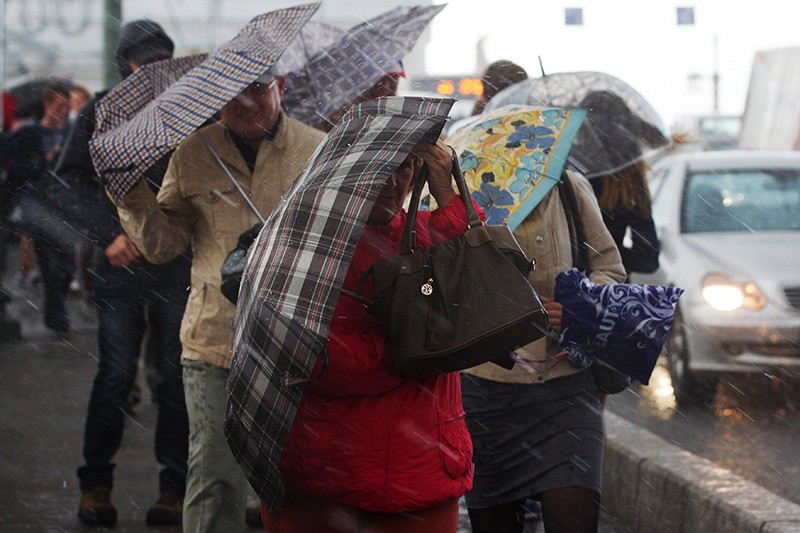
column 363, row 436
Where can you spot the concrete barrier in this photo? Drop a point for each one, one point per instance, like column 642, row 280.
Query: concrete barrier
column 651, row 485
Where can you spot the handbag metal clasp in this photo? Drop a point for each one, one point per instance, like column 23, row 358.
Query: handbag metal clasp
column 427, row 287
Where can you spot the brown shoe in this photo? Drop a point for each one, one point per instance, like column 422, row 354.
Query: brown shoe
column 96, row 509
column 167, row 511
column 252, row 516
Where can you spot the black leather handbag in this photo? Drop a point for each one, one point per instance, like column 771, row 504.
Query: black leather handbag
column 460, row 303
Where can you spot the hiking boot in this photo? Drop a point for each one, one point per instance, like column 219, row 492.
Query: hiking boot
column 252, row 516
column 96, row 508
column 167, row 511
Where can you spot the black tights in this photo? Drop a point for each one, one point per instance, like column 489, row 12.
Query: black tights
column 564, row 510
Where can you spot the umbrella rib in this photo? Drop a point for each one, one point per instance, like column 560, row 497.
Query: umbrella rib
column 233, row 180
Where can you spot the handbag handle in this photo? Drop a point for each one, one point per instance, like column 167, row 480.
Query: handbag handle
column 409, row 240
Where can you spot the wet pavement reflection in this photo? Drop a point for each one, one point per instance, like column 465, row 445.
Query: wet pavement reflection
column 752, row 427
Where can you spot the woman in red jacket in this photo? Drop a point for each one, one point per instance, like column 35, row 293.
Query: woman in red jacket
column 370, row 451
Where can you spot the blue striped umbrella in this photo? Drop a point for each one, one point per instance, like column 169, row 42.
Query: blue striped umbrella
column 339, row 73
column 122, row 154
column 295, row 272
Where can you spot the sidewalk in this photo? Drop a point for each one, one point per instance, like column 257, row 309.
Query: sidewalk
column 45, row 386
column 649, row 484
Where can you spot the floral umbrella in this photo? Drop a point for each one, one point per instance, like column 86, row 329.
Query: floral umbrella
column 623, row 325
column 512, row 157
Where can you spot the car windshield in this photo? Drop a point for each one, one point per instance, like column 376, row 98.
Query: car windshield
column 741, row 200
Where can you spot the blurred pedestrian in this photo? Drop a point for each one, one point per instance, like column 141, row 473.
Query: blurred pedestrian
column 538, row 429
column 369, row 450
column 78, row 96
column 624, row 199
column 34, row 148
column 495, row 78
column 129, row 293
column 265, row 151
column 386, row 86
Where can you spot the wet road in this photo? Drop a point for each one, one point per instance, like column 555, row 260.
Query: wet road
column 752, row 428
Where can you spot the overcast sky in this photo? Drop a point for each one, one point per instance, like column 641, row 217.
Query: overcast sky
column 635, row 40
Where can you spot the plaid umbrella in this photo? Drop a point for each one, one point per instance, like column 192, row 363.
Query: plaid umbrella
column 296, row 269
column 338, row 74
column 313, row 38
column 513, row 156
column 132, row 94
column 122, row 154
column 621, row 127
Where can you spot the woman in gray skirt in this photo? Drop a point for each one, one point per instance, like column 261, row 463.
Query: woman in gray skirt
column 537, row 429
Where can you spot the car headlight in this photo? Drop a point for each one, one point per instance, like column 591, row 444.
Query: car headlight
column 724, row 294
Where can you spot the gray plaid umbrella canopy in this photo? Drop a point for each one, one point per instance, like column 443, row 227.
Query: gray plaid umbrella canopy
column 314, row 37
column 339, row 73
column 122, row 154
column 621, row 127
column 295, row 271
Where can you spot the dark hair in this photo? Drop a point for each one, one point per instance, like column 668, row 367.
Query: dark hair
column 142, row 41
column 500, row 75
column 54, row 89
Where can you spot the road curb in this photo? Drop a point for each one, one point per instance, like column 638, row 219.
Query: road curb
column 651, row 485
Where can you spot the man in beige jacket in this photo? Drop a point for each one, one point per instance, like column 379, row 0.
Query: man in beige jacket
column 265, row 151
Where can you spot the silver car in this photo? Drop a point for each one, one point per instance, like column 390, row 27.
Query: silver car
column 729, row 224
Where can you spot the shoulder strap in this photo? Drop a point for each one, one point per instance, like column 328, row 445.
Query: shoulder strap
column 577, row 236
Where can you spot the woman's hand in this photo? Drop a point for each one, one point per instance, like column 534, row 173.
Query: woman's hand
column 554, row 311
column 439, row 158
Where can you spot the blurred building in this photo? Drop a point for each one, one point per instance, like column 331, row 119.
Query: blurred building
column 64, row 38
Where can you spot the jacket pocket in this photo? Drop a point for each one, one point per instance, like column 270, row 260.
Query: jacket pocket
column 455, row 450
column 223, row 208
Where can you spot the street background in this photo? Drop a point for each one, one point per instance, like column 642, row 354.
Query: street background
column 44, row 394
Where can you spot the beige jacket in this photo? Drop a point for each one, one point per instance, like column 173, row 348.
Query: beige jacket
column 198, row 204
column 544, row 236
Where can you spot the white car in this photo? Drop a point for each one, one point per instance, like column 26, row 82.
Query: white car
column 729, row 224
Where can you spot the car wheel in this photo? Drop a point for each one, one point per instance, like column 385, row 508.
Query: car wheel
column 690, row 388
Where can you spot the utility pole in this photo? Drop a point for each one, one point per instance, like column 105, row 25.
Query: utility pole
column 112, row 22
column 715, row 75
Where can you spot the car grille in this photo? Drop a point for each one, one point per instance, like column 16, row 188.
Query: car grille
column 793, row 295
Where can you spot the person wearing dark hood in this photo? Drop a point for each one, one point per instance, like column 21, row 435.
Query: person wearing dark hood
column 130, row 294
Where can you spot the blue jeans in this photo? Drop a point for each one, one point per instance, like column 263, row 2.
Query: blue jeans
column 56, row 265
column 123, row 298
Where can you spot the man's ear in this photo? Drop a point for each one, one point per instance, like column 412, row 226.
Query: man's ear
column 281, row 84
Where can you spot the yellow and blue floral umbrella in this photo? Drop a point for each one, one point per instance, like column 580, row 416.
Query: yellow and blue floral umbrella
column 512, row 157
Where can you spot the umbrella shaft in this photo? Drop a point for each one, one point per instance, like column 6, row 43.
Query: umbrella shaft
column 233, row 180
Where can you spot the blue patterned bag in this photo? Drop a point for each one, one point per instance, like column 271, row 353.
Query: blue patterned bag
column 623, row 325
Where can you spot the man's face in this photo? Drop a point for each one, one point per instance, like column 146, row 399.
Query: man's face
column 56, row 110
column 252, row 113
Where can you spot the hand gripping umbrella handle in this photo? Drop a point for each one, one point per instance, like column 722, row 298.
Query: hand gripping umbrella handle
column 233, row 180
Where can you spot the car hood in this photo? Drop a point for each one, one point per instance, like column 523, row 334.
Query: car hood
column 750, row 256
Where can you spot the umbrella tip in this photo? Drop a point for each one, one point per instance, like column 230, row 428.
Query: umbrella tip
column 541, row 66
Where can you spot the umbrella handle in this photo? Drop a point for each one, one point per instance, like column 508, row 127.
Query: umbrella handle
column 233, row 180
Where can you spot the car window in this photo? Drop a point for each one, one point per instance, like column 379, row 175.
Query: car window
column 741, row 200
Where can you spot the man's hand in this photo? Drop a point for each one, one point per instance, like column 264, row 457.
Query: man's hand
column 122, row 252
column 554, row 311
column 439, row 158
